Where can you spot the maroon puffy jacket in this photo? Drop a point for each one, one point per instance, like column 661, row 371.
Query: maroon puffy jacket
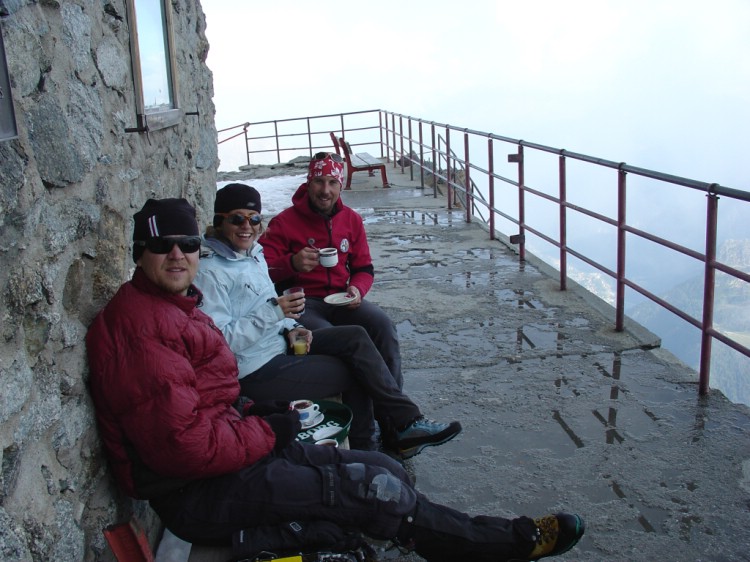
column 163, row 380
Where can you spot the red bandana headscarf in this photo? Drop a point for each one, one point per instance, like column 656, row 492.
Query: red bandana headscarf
column 326, row 167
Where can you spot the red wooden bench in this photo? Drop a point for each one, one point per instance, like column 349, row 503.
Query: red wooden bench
column 361, row 162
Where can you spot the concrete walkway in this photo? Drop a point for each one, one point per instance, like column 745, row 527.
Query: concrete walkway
column 559, row 411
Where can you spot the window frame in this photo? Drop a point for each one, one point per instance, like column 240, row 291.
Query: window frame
column 152, row 118
column 8, row 125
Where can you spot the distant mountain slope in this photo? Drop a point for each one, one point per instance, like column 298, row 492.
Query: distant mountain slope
column 730, row 371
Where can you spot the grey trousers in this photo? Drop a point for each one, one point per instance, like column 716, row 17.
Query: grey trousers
column 319, row 314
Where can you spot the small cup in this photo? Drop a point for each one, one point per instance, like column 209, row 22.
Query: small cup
column 307, row 409
column 299, row 346
column 329, row 257
column 328, row 442
column 291, row 290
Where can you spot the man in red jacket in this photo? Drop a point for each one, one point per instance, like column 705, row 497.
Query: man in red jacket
column 318, row 219
column 164, row 385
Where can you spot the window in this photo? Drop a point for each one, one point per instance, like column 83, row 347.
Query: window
column 152, row 51
column 8, row 128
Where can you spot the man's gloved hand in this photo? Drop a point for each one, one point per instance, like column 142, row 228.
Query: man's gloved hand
column 285, row 426
column 265, row 408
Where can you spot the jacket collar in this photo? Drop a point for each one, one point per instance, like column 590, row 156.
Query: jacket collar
column 219, row 247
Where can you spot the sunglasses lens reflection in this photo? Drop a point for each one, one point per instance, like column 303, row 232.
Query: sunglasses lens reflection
column 187, row 244
column 239, row 220
column 333, row 156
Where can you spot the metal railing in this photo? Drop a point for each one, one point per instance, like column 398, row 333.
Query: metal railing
column 474, row 182
column 306, row 135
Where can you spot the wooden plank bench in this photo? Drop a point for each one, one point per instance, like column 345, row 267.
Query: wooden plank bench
column 361, row 162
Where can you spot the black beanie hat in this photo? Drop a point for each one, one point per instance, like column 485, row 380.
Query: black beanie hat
column 163, row 217
column 235, row 196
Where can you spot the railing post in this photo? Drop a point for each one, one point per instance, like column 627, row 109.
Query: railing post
column 467, row 177
column 435, row 167
column 563, row 222
column 380, row 130
column 309, row 140
column 621, row 249
column 387, row 145
column 448, row 166
column 411, row 164
column 393, row 136
column 247, row 142
column 401, row 141
column 276, row 136
column 421, row 156
column 712, row 212
column 520, row 238
column 491, row 184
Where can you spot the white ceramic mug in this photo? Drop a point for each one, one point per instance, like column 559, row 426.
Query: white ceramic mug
column 307, row 409
column 329, row 257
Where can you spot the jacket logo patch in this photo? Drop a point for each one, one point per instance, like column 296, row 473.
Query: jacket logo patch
column 344, row 247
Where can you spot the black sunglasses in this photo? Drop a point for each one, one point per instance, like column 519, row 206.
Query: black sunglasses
column 332, row 155
column 163, row 245
column 238, row 219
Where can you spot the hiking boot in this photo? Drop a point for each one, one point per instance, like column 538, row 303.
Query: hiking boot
column 556, row 534
column 423, row 433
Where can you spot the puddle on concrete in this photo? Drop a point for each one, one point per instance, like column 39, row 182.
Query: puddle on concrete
column 400, row 241
column 520, row 297
column 539, row 337
column 418, row 252
column 432, row 264
column 471, row 279
column 442, row 218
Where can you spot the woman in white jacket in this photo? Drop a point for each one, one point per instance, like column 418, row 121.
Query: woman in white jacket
column 260, row 327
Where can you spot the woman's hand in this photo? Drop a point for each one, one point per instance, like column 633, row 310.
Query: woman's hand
column 292, row 304
column 294, row 332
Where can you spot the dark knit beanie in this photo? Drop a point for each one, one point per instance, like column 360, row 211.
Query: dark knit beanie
column 235, row 196
column 163, row 217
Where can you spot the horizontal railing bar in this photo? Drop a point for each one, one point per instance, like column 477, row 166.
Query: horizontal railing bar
column 589, row 261
column 669, row 178
column 729, row 270
column 661, row 302
column 730, row 342
column 667, row 243
column 592, row 214
column 327, row 116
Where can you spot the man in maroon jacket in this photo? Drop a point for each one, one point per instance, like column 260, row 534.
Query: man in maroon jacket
column 318, row 219
column 164, row 385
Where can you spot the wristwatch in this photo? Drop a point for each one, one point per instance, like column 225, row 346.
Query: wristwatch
column 273, row 301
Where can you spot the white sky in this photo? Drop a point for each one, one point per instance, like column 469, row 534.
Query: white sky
column 660, row 84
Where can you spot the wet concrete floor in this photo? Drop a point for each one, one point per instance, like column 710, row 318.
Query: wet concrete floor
column 560, row 412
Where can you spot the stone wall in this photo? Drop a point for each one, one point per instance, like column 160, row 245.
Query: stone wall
column 69, row 186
